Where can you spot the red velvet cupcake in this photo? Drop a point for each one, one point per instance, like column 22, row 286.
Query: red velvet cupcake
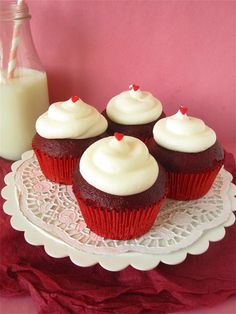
column 119, row 187
column 190, row 153
column 133, row 113
column 63, row 134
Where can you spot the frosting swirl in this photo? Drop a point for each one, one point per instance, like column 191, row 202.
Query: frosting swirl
column 183, row 133
column 71, row 119
column 119, row 166
column 134, row 107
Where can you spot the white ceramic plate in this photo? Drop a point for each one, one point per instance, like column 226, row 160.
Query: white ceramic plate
column 113, row 262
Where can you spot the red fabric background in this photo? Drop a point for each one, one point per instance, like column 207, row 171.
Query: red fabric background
column 58, row 286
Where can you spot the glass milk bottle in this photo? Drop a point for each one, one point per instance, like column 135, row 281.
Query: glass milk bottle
column 23, row 82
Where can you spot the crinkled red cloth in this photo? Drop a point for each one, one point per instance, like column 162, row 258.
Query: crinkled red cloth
column 58, row 286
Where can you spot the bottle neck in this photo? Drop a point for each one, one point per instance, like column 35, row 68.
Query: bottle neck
column 17, row 50
column 12, row 11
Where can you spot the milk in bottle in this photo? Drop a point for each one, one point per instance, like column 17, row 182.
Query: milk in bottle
column 22, row 100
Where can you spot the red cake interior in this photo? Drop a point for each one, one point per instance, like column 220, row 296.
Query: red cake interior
column 142, row 131
column 62, row 148
column 94, row 197
column 187, row 162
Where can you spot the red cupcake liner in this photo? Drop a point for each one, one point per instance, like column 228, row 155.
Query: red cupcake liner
column 58, row 170
column 119, row 225
column 190, row 186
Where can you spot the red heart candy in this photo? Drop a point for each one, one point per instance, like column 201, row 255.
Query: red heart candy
column 74, row 98
column 183, row 109
column 135, row 87
column 118, row 136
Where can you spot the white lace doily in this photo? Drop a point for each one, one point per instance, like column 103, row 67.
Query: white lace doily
column 180, row 228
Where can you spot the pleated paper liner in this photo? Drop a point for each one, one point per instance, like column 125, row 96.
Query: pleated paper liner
column 190, row 186
column 119, row 225
column 58, row 170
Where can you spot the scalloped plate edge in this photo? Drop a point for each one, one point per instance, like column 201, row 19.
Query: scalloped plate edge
column 36, row 236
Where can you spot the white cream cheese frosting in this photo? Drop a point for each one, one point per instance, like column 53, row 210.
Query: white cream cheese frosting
column 71, row 119
column 134, row 107
column 119, row 165
column 183, row 133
